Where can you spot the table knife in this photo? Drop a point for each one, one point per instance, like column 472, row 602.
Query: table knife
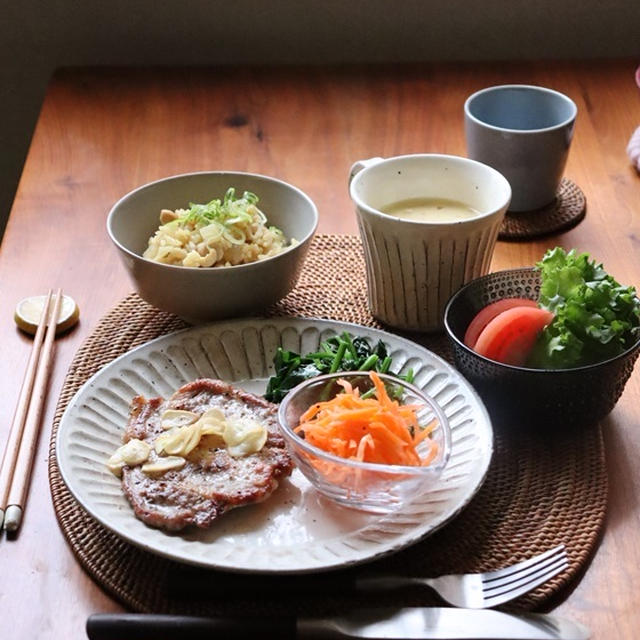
column 441, row 623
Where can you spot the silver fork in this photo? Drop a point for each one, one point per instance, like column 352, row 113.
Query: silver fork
column 481, row 590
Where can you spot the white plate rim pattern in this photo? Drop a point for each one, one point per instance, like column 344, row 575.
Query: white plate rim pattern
column 159, row 366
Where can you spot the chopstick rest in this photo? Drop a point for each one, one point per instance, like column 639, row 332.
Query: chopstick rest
column 29, row 412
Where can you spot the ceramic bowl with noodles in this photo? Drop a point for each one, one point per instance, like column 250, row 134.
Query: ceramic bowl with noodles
column 213, row 245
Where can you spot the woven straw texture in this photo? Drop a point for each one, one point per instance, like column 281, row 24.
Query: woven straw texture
column 565, row 212
column 539, row 492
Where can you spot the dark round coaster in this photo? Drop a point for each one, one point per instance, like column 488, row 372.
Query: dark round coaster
column 565, row 212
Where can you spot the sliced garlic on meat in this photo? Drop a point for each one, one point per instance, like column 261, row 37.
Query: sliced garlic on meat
column 212, row 422
column 177, row 418
column 132, row 453
column 244, row 437
column 253, row 443
column 182, row 440
column 178, row 441
column 162, row 439
column 241, row 436
column 135, row 451
column 192, row 439
column 115, row 464
column 162, row 465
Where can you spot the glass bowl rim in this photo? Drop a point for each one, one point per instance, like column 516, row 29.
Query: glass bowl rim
column 427, row 471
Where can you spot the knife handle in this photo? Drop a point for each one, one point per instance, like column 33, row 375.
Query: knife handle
column 149, row 626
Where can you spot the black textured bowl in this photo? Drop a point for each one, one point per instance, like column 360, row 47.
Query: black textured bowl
column 522, row 396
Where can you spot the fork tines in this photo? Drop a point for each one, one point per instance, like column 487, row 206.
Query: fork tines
column 524, row 576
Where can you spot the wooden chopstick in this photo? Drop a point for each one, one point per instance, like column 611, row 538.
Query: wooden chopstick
column 31, row 428
column 17, row 425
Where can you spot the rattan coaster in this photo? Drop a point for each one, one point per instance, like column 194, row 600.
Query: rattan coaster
column 565, row 212
column 538, row 492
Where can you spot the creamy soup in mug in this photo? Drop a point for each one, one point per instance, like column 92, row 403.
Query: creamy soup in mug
column 430, row 210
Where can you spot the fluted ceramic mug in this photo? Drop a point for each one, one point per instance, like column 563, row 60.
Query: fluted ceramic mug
column 414, row 266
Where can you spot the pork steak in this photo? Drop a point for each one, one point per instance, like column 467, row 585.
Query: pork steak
column 212, row 481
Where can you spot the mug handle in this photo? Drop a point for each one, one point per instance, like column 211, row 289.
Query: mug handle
column 358, row 166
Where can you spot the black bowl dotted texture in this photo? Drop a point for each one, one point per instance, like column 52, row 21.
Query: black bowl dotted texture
column 518, row 396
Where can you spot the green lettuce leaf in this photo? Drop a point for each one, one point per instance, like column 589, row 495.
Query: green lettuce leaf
column 596, row 318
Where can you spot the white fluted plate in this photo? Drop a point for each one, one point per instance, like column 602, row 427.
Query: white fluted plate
column 296, row 530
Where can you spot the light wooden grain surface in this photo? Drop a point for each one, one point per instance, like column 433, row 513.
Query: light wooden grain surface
column 102, row 132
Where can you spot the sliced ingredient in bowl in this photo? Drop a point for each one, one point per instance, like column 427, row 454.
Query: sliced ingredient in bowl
column 488, row 313
column 583, row 316
column 220, row 233
column 511, row 335
column 368, row 429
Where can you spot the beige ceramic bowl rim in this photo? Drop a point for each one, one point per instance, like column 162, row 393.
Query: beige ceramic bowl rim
column 248, row 266
column 461, row 160
column 427, row 471
column 521, row 132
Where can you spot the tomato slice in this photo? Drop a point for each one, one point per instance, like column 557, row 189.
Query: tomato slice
column 488, row 313
column 510, row 336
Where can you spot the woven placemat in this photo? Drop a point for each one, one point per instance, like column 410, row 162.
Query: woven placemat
column 565, row 212
column 538, row 493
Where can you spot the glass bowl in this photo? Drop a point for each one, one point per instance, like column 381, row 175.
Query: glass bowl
column 516, row 397
column 366, row 486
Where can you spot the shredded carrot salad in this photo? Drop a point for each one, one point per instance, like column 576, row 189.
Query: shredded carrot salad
column 379, row 429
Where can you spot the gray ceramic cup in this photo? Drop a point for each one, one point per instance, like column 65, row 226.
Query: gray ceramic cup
column 525, row 133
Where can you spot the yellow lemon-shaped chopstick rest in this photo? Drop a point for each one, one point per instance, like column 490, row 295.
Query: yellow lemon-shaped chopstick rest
column 28, row 312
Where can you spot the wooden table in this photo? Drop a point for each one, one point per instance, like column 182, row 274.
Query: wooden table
column 103, row 132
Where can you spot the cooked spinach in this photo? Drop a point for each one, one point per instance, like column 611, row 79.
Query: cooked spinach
column 336, row 354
